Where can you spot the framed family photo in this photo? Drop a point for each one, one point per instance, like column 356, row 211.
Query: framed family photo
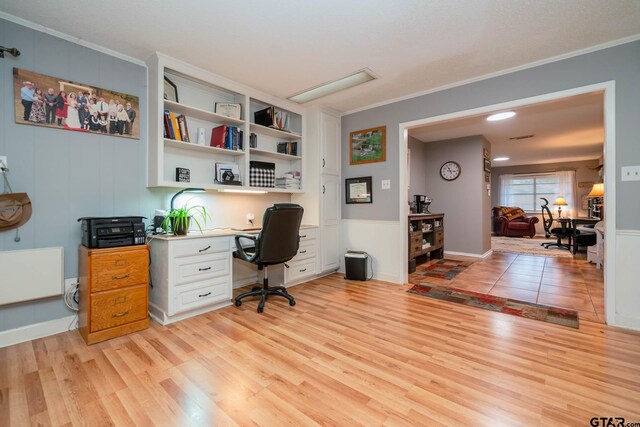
column 358, row 190
column 170, row 90
column 58, row 103
column 368, row 145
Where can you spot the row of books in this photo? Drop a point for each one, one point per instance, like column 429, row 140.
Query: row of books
column 175, row 127
column 229, row 137
column 288, row 147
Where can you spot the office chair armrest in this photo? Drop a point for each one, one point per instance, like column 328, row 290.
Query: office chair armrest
column 240, row 250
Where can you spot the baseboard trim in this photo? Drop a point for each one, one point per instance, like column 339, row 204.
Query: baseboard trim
column 35, row 331
column 486, row 254
column 627, row 322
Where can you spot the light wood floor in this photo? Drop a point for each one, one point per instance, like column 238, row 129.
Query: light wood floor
column 349, row 353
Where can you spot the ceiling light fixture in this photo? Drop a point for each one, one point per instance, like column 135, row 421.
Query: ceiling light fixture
column 333, row 87
column 500, row 159
column 501, row 116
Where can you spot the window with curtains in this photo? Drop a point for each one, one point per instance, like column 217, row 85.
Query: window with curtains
column 525, row 190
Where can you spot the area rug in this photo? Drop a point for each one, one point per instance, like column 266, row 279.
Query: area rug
column 559, row 316
column 443, row 269
column 527, row 246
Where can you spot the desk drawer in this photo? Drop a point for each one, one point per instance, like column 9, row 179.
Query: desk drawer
column 114, row 308
column 306, row 250
column 200, row 267
column 119, row 270
column 300, row 269
column 203, row 293
column 307, row 234
column 201, row 247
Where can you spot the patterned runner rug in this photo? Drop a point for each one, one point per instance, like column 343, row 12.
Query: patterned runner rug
column 559, row 316
column 525, row 245
column 443, row 269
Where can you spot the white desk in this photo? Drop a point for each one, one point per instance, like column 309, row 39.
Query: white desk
column 193, row 274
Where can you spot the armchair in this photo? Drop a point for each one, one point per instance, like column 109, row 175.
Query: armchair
column 513, row 222
column 277, row 243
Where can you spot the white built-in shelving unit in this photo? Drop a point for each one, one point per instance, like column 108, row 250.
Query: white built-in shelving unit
column 198, row 92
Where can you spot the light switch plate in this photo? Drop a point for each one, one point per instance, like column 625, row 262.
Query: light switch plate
column 631, row 173
column 386, row 184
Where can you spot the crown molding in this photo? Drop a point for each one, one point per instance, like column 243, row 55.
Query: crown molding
column 67, row 37
column 538, row 63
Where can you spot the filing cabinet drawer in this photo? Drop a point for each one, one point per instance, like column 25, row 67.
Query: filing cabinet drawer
column 203, row 293
column 307, row 234
column 113, row 270
column 117, row 307
column 201, row 247
column 200, row 267
column 300, row 269
column 306, row 250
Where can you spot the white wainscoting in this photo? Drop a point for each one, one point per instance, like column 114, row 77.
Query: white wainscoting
column 627, row 279
column 380, row 239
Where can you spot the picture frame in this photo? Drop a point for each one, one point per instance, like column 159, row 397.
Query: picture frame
column 487, row 177
column 228, row 109
column 487, row 165
column 368, row 145
column 170, row 90
column 485, row 153
column 358, row 190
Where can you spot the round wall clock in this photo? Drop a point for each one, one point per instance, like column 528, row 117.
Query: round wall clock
column 450, row 171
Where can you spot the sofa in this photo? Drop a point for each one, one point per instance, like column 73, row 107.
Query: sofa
column 513, row 222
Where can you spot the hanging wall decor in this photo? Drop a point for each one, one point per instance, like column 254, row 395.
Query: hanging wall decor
column 368, row 145
column 52, row 102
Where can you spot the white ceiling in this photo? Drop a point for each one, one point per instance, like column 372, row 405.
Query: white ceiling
column 564, row 130
column 283, row 47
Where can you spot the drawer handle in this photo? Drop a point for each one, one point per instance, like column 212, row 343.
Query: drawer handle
column 205, row 249
column 124, row 276
column 303, row 237
column 303, row 252
column 124, row 313
column 204, row 269
column 303, row 270
column 204, row 295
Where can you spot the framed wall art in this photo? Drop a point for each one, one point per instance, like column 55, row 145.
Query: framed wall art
column 53, row 102
column 487, row 165
column 368, row 145
column 358, row 190
column 170, row 90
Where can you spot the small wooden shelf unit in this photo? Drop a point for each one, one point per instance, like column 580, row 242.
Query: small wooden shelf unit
column 113, row 293
column 426, row 238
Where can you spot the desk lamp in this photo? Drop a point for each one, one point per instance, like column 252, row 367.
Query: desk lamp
column 186, row 190
column 560, row 202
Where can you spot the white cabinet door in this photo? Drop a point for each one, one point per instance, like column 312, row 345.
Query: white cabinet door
column 330, row 218
column 330, row 137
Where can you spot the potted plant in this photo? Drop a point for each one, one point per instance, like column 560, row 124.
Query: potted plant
column 179, row 219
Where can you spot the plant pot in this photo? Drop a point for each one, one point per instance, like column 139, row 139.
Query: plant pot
column 179, row 228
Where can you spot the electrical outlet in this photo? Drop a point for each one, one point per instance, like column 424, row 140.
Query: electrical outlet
column 631, row 173
column 4, row 160
column 386, row 184
column 250, row 218
column 70, row 283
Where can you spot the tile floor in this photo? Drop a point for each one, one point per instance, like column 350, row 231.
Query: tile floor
column 560, row 282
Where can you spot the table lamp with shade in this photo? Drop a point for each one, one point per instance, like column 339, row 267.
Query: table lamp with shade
column 596, row 193
column 560, row 202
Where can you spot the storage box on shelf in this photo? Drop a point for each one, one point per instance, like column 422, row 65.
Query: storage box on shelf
column 198, row 92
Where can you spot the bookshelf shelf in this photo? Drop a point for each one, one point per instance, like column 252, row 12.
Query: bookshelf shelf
column 273, row 155
column 289, row 136
column 202, row 148
column 200, row 114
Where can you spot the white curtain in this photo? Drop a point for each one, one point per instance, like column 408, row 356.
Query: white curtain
column 506, row 198
column 567, row 187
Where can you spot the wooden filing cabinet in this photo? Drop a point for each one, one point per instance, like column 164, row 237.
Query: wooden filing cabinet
column 113, row 293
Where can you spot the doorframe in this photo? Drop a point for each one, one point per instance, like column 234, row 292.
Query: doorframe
column 609, row 177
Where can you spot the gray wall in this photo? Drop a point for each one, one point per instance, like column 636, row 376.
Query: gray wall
column 618, row 63
column 585, row 172
column 67, row 174
column 466, row 214
column 417, row 180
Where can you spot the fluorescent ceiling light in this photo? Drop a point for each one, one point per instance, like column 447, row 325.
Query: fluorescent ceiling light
column 500, row 159
column 229, row 190
column 333, row 87
column 501, row 116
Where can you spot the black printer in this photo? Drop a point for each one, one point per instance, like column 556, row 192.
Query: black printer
column 112, row 231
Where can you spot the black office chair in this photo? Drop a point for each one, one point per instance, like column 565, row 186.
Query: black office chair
column 277, row 243
column 558, row 232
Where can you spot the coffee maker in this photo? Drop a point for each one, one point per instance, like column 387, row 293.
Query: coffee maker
column 422, row 203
